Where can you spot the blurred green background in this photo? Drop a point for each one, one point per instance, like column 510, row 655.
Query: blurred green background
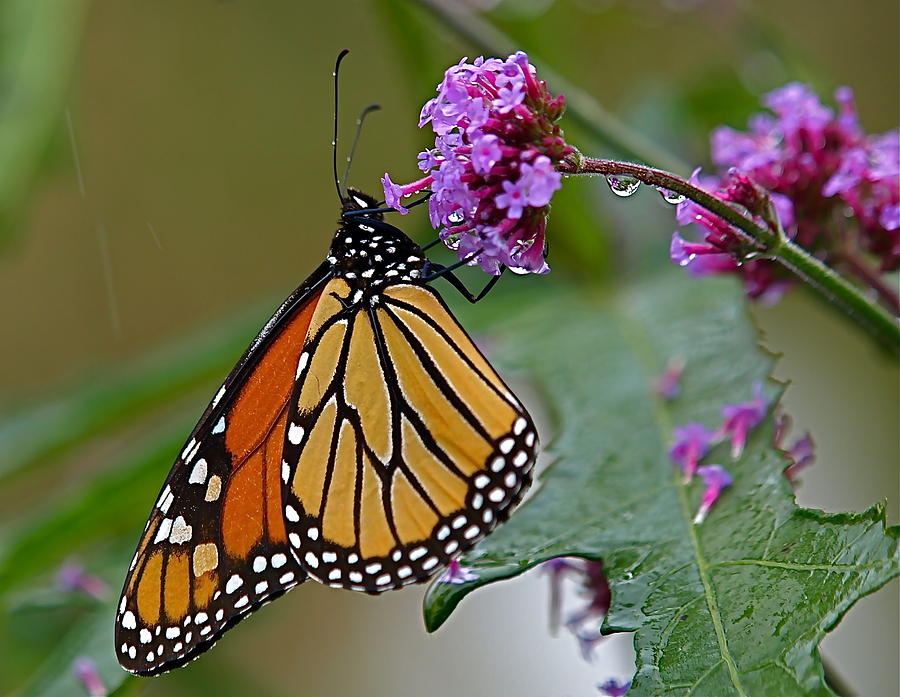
column 165, row 169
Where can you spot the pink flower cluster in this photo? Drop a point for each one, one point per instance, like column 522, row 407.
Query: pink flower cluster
column 492, row 171
column 722, row 246
column 829, row 181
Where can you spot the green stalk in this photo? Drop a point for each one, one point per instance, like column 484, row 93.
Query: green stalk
column 771, row 244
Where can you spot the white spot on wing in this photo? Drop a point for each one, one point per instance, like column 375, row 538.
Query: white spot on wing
column 163, row 496
column 295, row 434
column 301, row 364
column 165, row 527
column 234, row 583
column 198, row 474
column 181, row 531
column 191, row 443
column 214, row 488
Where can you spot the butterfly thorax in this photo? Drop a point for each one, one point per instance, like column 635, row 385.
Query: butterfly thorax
column 370, row 255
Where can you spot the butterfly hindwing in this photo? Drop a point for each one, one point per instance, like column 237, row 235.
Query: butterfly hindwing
column 215, row 546
column 403, row 446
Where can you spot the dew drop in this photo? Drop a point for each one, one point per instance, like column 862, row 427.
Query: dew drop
column 672, row 197
column 452, row 240
column 455, row 218
column 622, row 185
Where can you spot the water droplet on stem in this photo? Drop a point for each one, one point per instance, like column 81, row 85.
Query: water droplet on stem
column 672, row 197
column 622, row 184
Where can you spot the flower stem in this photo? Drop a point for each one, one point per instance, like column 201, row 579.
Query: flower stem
column 836, row 289
column 866, row 311
column 753, row 233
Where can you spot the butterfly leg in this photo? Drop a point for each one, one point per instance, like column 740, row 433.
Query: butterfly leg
column 439, row 271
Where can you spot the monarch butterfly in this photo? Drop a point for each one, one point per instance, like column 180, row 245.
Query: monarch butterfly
column 362, row 441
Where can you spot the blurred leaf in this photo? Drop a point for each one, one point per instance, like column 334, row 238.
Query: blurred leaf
column 735, row 606
column 91, row 638
column 718, row 96
column 116, row 503
column 410, row 37
column 38, row 40
column 33, row 436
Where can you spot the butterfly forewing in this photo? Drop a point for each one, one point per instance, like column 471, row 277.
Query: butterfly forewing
column 403, row 446
column 215, row 546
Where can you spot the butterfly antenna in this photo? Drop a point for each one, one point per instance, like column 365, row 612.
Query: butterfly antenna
column 334, row 157
column 359, row 124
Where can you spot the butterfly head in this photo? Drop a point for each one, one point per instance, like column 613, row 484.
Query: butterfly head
column 355, row 201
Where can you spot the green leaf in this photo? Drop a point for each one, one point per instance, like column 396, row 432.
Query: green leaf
column 734, row 606
column 38, row 39
column 114, row 503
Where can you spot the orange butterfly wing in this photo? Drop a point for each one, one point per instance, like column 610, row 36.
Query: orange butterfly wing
column 215, row 546
column 404, row 447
